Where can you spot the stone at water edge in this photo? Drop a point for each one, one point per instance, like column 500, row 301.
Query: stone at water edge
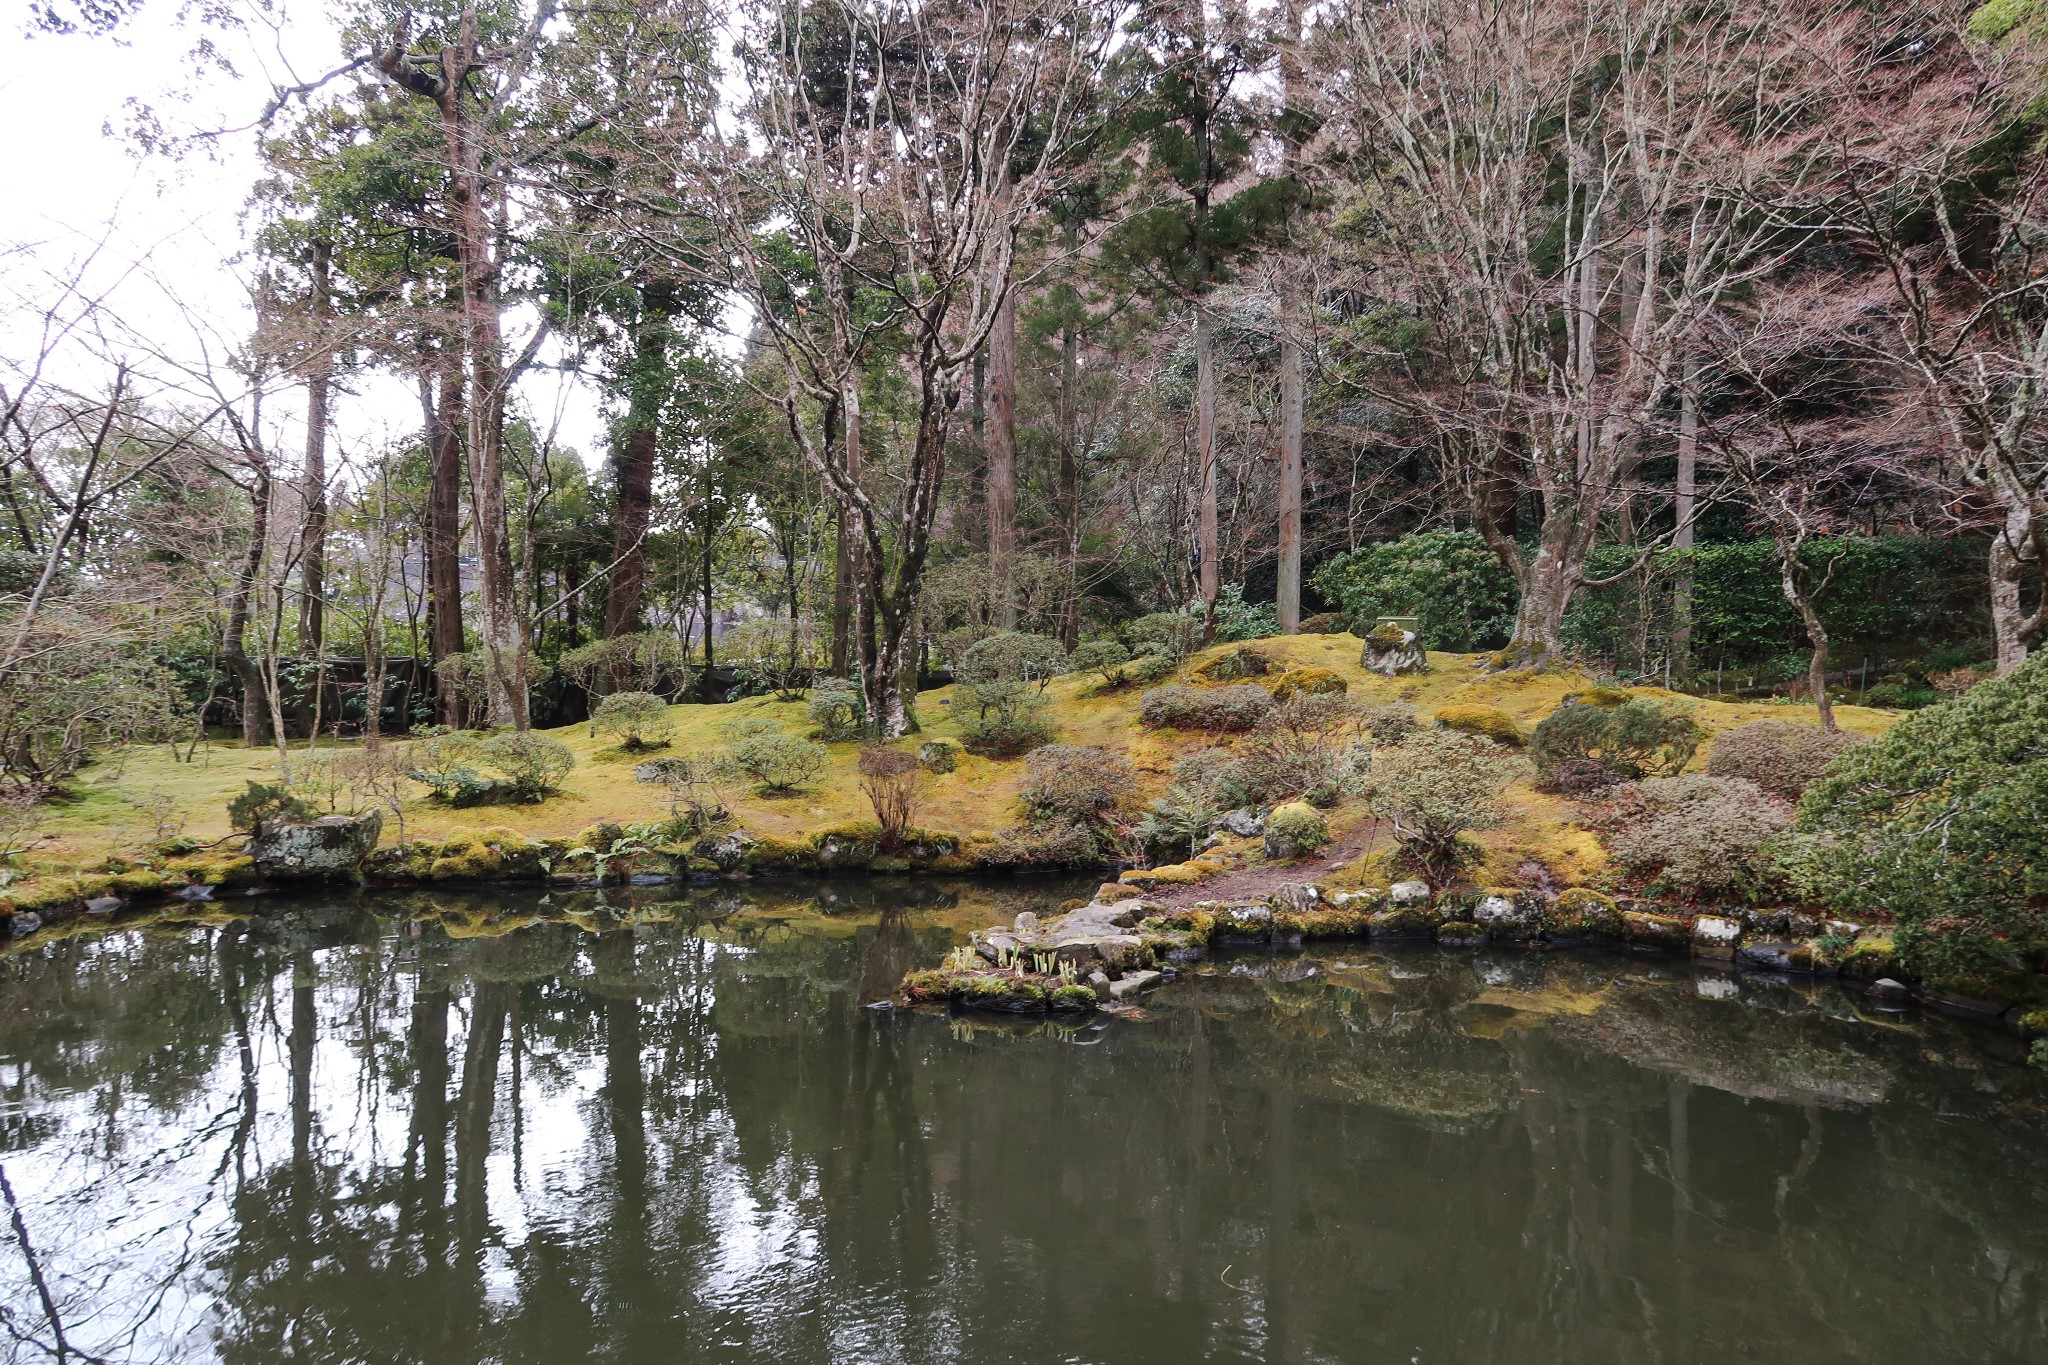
column 1409, row 893
column 1299, row 897
column 103, row 905
column 22, row 923
column 1027, row 923
column 332, row 846
column 1715, row 937
column 1500, row 914
column 1884, row 988
column 1132, row 983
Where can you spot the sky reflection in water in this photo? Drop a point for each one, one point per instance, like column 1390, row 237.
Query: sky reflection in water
column 471, row 1129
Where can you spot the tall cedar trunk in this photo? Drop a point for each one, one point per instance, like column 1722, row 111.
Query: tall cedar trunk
column 1002, row 463
column 706, row 690
column 2017, row 552
column 235, row 645
column 1287, row 594
column 1070, row 466
column 477, row 266
column 319, row 385
column 1683, row 508
column 443, row 541
column 636, row 454
column 842, row 559
column 1209, row 575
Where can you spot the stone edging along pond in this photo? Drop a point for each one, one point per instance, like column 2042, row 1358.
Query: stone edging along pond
column 1099, row 955
column 1120, row 945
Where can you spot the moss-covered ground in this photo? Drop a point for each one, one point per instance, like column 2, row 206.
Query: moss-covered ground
column 121, row 802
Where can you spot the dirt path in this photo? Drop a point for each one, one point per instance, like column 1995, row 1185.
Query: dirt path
column 1254, row 883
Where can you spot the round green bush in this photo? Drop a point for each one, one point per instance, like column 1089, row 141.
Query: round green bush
column 1295, row 830
column 776, row 760
column 639, row 720
column 1941, row 822
column 1632, row 739
column 837, row 709
column 533, row 764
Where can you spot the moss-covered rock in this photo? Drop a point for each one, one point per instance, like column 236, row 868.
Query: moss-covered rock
column 1308, row 682
column 1295, row 830
column 1404, row 922
column 1871, row 957
column 1580, row 913
column 1458, row 933
column 1655, row 931
column 848, row 847
column 774, row 853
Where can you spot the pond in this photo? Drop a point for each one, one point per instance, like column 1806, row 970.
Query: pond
column 460, row 1128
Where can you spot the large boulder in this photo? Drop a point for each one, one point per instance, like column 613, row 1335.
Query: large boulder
column 332, row 847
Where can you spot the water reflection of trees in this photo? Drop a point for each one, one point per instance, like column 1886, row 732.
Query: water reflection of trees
column 626, row 1128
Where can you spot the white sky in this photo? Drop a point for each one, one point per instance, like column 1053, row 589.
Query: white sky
column 177, row 226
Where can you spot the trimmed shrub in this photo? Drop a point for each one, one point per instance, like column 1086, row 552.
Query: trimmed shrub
column 1012, row 656
column 533, row 764
column 1462, row 596
column 774, row 759
column 1392, row 723
column 1146, row 669
column 1308, row 682
column 1489, row 722
column 1073, row 781
column 638, row 719
column 1781, row 758
column 1169, row 634
column 1012, row 725
column 1303, row 747
column 1940, row 821
column 837, row 709
column 1237, row 619
column 1635, row 739
column 267, row 803
column 939, row 755
column 1218, row 709
column 1326, row 623
column 1104, row 657
column 640, row 662
column 1434, row 787
column 1699, row 836
column 1295, row 830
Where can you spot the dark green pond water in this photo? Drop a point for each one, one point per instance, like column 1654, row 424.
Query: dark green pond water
column 470, row 1129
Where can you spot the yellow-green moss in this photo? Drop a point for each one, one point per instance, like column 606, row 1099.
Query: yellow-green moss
column 1579, row 911
column 1488, row 721
column 1308, row 682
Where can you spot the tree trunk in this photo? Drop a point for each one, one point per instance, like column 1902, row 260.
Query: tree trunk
column 1548, row 580
column 1790, row 581
column 1684, row 509
column 319, row 385
column 710, row 550
column 2016, row 555
column 443, row 542
column 1288, row 594
column 636, row 451
column 1002, row 463
column 1209, row 577
column 235, row 644
column 477, row 266
column 1070, row 468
